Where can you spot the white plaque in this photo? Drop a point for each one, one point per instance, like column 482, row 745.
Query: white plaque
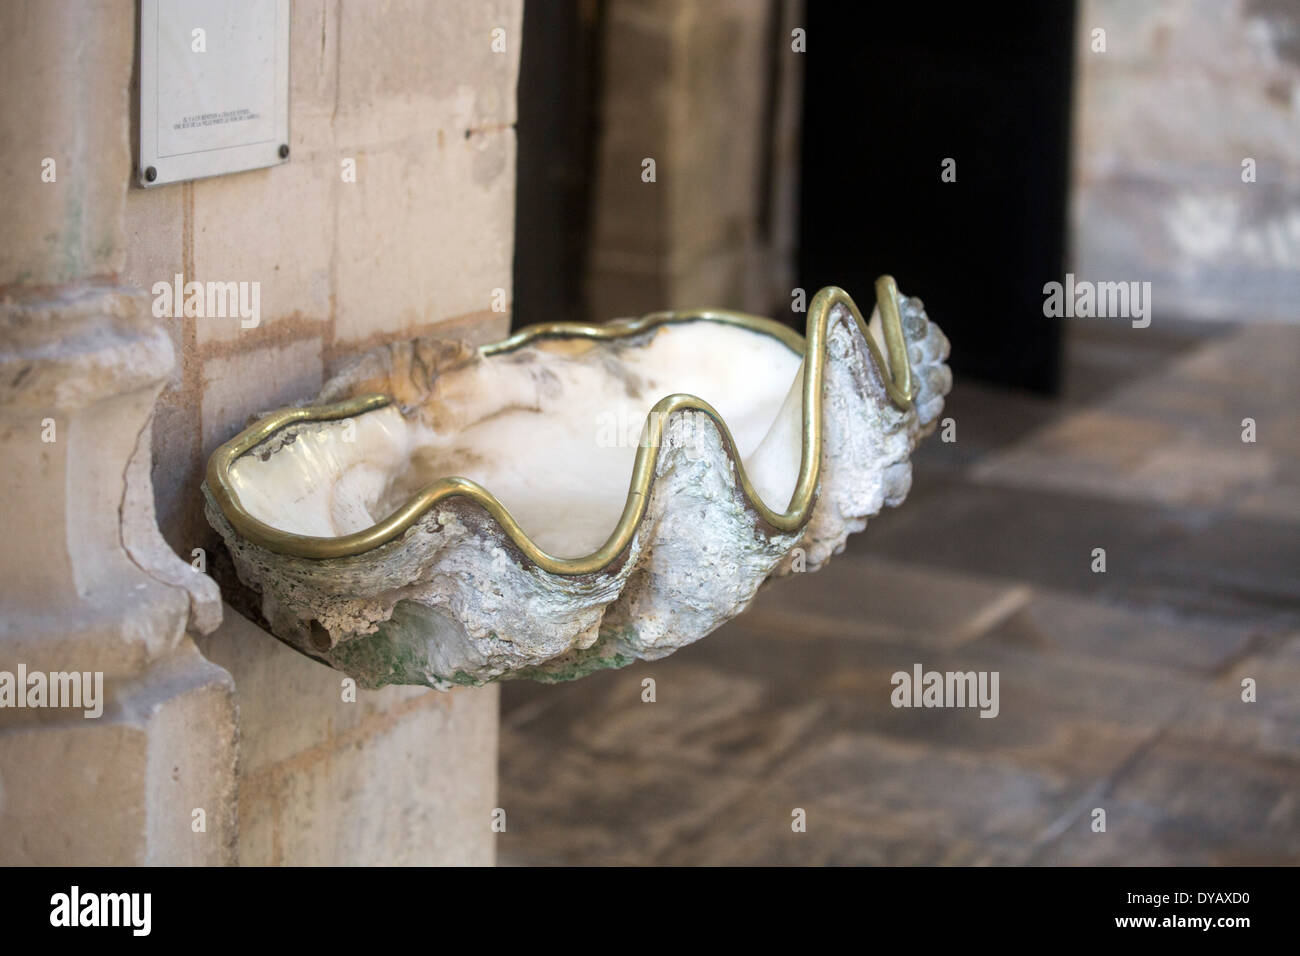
column 214, row 87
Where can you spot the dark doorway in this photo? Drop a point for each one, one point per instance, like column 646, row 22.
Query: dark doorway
column 891, row 91
column 558, row 76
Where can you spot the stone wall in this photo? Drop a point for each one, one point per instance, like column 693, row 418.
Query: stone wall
column 1184, row 92
column 254, row 734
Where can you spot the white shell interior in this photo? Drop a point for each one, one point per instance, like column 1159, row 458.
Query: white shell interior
column 550, row 429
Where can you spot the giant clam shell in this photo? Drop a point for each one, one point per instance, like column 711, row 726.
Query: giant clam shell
column 574, row 497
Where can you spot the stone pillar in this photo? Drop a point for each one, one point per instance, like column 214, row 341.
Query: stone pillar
column 107, row 416
column 1186, row 173
column 709, row 92
column 86, row 582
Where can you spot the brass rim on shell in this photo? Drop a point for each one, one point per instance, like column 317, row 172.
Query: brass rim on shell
column 896, row 377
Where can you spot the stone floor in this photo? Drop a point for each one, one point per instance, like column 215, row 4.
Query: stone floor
column 1119, row 690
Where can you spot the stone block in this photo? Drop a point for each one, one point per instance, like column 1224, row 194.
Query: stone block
column 274, row 227
column 418, row 788
column 414, row 67
column 425, row 234
column 243, row 385
column 120, row 789
column 399, row 776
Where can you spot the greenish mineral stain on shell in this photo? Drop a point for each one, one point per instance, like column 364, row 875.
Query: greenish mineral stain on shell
column 602, row 655
column 398, row 653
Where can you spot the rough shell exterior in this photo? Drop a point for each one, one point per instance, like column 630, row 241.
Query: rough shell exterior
column 453, row 601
